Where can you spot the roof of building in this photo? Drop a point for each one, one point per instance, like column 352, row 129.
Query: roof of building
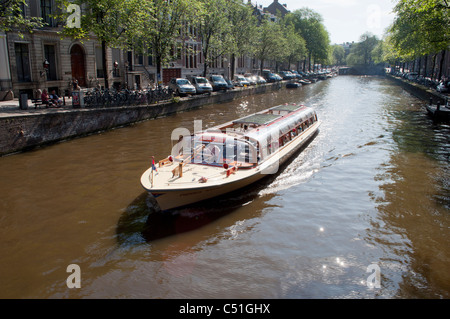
column 276, row 7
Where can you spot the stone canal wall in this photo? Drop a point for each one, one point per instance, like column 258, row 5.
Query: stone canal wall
column 24, row 131
column 419, row 91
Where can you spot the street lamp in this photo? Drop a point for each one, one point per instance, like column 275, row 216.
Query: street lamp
column 115, row 69
column 46, row 66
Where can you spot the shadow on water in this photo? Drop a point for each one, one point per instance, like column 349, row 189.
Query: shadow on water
column 142, row 220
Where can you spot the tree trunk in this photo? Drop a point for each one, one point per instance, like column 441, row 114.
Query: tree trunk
column 309, row 62
column 105, row 64
column 433, row 73
column 232, row 66
column 441, row 65
column 205, row 68
column 159, row 78
column 425, row 69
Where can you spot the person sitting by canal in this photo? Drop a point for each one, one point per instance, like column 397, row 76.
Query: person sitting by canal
column 44, row 98
column 55, row 99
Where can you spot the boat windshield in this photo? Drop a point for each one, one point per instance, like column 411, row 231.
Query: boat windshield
column 214, row 149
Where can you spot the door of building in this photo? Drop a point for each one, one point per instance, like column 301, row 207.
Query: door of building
column 170, row 74
column 78, row 64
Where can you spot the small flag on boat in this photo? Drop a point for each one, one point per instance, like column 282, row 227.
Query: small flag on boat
column 153, row 164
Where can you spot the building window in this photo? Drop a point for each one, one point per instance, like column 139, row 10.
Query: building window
column 191, row 56
column 99, row 62
column 46, row 11
column 241, row 62
column 195, row 56
column 50, row 56
column 139, row 59
column 23, row 62
column 149, row 57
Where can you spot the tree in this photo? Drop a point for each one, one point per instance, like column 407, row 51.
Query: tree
column 165, row 26
column 12, row 16
column 114, row 22
column 338, row 54
column 420, row 28
column 309, row 24
column 243, row 26
column 214, row 30
column 361, row 52
column 270, row 42
column 390, row 54
column 295, row 49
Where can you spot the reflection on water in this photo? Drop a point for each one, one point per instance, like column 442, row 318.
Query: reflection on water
column 371, row 188
column 141, row 222
column 414, row 217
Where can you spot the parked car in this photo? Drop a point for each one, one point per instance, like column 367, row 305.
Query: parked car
column 182, row 87
column 260, row 79
column 296, row 74
column 240, row 80
column 252, row 79
column 230, row 84
column 412, row 76
column 218, row 82
column 286, row 75
column 201, row 84
column 273, row 77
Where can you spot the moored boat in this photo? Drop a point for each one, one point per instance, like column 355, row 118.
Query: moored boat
column 293, row 85
column 438, row 112
column 230, row 156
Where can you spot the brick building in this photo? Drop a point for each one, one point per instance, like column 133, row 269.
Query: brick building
column 43, row 59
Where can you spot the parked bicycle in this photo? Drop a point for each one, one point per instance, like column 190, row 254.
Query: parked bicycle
column 112, row 98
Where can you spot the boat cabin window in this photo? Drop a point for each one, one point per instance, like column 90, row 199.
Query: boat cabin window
column 280, row 133
column 214, row 150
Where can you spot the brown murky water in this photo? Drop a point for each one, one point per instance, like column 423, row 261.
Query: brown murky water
column 371, row 189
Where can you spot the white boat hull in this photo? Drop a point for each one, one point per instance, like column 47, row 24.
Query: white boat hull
column 173, row 197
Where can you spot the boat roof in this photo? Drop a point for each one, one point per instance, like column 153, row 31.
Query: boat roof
column 281, row 127
column 259, row 119
column 287, row 107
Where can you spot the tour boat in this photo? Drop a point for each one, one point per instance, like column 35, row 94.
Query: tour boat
column 230, row 156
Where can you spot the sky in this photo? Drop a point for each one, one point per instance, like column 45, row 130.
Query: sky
column 346, row 20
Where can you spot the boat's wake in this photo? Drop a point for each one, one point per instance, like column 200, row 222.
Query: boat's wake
column 300, row 170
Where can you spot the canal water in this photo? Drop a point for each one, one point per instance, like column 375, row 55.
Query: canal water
column 362, row 212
